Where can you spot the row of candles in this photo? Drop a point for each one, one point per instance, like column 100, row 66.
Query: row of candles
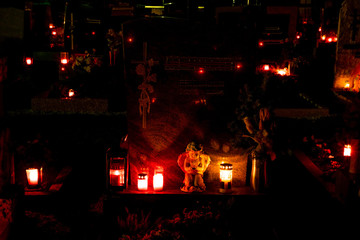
column 117, row 176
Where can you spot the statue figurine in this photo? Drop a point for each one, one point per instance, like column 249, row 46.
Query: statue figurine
column 193, row 162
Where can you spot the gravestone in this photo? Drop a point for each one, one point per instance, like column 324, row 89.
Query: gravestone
column 179, row 109
column 347, row 65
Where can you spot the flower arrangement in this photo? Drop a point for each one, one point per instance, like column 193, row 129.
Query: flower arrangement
column 114, row 39
column 85, row 63
column 254, row 126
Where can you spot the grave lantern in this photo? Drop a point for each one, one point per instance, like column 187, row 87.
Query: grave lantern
column 64, row 58
column 34, row 177
column 226, row 170
column 158, row 179
column 347, row 150
column 28, row 61
column 142, row 183
column 116, row 169
column 71, row 93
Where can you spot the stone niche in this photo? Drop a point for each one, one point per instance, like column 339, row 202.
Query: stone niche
column 175, row 120
column 347, row 65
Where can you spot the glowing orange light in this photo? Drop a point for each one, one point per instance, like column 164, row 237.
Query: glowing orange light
column 320, row 29
column 158, row 179
column 71, row 93
column 51, row 26
column 347, row 150
column 298, row 36
column 238, row 66
column 34, row 177
column 347, row 85
column 261, row 44
column 329, row 40
column 153, row 100
column 93, row 32
column 130, row 39
column 117, row 177
column 64, row 58
column 323, row 37
column 64, row 61
column 266, row 67
column 201, row 70
column 142, row 183
column 67, row 36
column 226, row 170
column 62, row 69
column 282, row 72
column 53, row 33
column 28, row 61
column 335, row 39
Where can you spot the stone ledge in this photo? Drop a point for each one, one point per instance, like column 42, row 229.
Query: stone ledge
column 80, row 105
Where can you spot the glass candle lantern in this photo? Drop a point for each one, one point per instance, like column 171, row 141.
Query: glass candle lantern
column 158, row 179
column 226, row 170
column 34, row 177
column 142, row 182
column 116, row 169
column 64, row 58
column 347, row 150
column 71, row 93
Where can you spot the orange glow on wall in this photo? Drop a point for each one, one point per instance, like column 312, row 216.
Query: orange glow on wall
column 347, row 150
column 142, row 183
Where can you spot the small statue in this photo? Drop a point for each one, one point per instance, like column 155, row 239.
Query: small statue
column 193, row 163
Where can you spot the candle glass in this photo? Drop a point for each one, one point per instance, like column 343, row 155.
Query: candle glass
column 225, row 177
column 158, row 179
column 142, row 182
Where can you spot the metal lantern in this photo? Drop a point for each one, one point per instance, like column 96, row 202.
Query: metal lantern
column 225, row 177
column 116, row 169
